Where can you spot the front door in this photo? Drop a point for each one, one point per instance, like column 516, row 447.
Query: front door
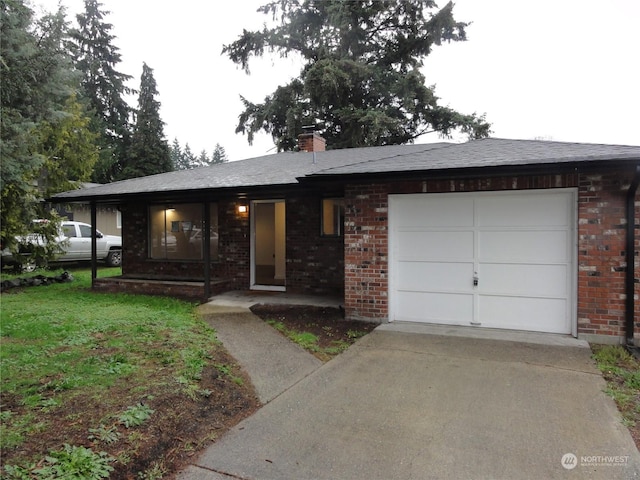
column 268, row 263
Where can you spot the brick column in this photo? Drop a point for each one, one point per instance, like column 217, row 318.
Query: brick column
column 601, row 254
column 366, row 252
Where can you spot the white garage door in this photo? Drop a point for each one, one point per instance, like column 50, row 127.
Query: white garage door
column 494, row 259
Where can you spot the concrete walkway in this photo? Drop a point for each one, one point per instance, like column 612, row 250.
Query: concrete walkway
column 273, row 363
column 415, row 405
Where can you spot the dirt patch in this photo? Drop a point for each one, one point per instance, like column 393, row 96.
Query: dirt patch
column 180, row 426
column 334, row 333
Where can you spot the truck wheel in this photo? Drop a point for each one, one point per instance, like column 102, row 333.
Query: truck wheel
column 26, row 267
column 114, row 259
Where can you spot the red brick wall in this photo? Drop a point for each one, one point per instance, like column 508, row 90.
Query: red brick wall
column 601, row 254
column 366, row 252
column 601, row 232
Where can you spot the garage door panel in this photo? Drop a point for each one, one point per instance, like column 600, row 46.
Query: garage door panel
column 519, row 245
column 440, row 212
column 534, row 210
column 524, row 280
column 523, row 246
column 434, row 276
column 521, row 313
column 446, row 308
column 416, row 245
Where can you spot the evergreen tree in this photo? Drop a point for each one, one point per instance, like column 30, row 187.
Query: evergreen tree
column 219, row 155
column 43, row 134
column 361, row 78
column 189, row 159
column 103, row 87
column 23, row 106
column 69, row 150
column 177, row 156
column 203, row 159
column 185, row 159
column 149, row 152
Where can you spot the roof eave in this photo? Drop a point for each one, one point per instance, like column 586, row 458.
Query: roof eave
column 174, row 195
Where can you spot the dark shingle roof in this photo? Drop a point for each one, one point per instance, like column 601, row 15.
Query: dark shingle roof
column 491, row 152
column 278, row 169
column 287, row 168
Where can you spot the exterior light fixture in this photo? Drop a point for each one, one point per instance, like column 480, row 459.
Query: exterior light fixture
column 242, row 209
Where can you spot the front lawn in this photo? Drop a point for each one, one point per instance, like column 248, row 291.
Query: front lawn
column 132, row 386
column 116, row 385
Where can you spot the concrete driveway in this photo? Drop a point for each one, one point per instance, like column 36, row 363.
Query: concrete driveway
column 408, row 405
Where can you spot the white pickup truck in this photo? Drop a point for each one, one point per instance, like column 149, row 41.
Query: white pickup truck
column 75, row 241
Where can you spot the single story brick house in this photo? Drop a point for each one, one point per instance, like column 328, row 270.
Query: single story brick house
column 510, row 234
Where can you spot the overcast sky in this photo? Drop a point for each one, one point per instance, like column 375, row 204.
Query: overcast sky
column 564, row 70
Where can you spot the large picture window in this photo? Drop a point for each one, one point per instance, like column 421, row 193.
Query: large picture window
column 176, row 231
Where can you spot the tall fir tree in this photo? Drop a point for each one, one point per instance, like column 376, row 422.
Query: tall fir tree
column 36, row 107
column 103, row 87
column 219, row 155
column 149, row 152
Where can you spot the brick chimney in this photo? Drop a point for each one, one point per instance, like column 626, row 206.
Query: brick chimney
column 311, row 142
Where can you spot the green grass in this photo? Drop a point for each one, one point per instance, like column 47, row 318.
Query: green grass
column 306, row 340
column 621, row 370
column 63, row 337
column 310, row 341
column 63, row 341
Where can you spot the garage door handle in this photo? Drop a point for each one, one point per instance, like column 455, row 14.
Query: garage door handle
column 475, row 281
